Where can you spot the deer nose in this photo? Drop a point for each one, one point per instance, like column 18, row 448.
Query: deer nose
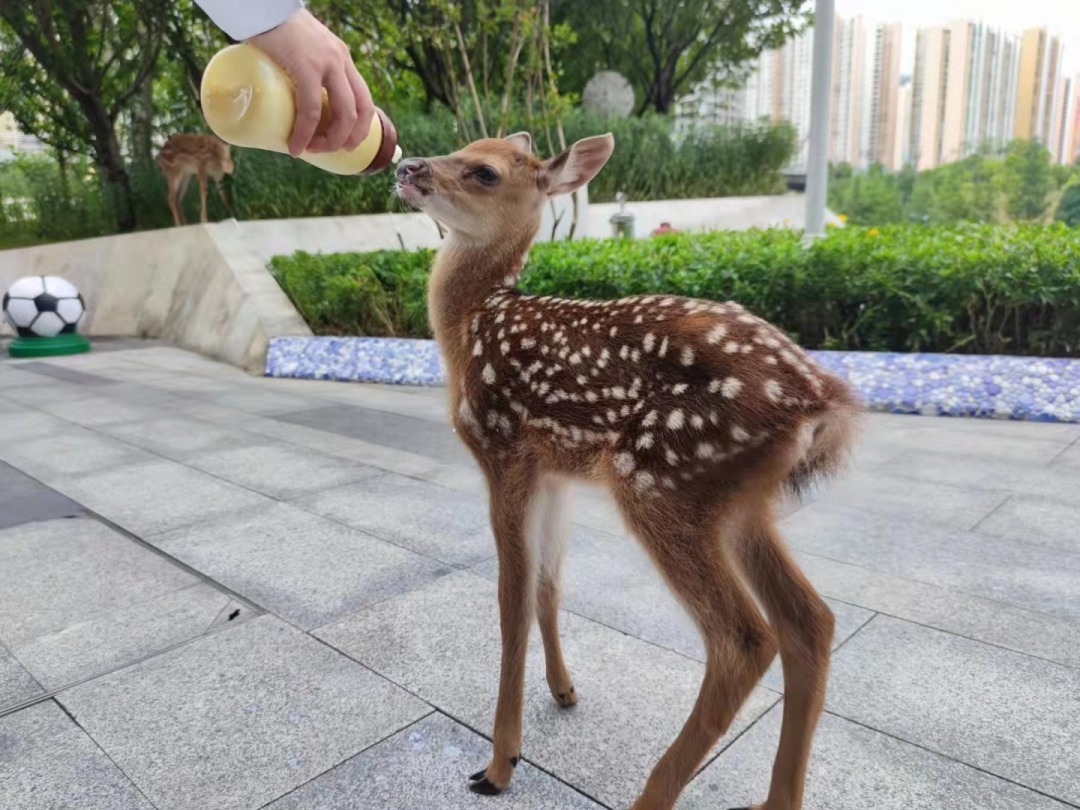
column 412, row 168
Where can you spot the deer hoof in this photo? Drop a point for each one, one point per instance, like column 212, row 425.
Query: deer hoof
column 483, row 786
column 566, row 699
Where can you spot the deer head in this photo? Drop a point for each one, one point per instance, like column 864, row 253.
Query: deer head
column 496, row 186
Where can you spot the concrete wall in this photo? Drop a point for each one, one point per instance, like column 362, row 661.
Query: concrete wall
column 198, row 287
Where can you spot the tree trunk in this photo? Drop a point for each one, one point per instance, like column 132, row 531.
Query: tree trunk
column 110, row 161
column 142, row 116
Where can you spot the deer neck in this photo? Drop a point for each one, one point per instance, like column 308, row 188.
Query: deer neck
column 464, row 275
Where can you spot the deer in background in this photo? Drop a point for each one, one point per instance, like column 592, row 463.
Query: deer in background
column 193, row 155
column 696, row 415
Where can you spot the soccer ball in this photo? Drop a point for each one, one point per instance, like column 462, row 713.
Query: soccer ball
column 43, row 306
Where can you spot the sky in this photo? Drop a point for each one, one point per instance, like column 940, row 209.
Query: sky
column 1060, row 17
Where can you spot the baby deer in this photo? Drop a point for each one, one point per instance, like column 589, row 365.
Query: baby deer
column 190, row 154
column 696, row 415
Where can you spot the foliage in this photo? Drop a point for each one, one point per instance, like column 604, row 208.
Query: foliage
column 975, row 289
column 1068, row 210
column 665, row 47
column 77, row 65
column 980, row 188
column 1029, row 179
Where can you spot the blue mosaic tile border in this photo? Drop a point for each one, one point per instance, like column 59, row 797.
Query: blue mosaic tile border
column 1030, row 388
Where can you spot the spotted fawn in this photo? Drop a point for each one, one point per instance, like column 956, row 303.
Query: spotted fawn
column 190, row 155
column 696, row 415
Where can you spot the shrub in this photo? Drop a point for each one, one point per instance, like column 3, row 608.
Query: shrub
column 973, row 289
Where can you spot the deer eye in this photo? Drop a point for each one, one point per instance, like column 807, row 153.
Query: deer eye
column 486, row 175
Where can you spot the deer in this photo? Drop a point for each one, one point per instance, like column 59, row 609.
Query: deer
column 697, row 416
column 188, row 155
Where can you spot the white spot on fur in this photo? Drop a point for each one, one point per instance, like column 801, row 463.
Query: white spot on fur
column 687, row 356
column 705, row 450
column 645, row 441
column 624, row 352
column 612, row 416
column 644, row 480
column 739, row 434
column 635, row 355
column 591, row 396
column 650, row 419
column 614, row 331
column 649, row 342
column 773, row 390
column 618, row 392
column 675, row 419
column 478, row 349
column 500, row 317
column 504, row 347
column 527, row 343
column 575, row 358
column 489, row 374
column 731, row 387
column 731, row 347
column 663, row 348
column 679, row 388
column 697, row 422
column 623, row 463
column 672, row 457
column 716, row 334
column 770, row 360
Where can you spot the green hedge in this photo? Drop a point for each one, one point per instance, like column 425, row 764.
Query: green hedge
column 974, row 289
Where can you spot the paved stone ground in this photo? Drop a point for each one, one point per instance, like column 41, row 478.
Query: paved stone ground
column 226, row 592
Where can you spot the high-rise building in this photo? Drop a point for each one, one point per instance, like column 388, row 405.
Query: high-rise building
column 1040, row 72
column 792, row 66
column 883, row 100
column 928, row 96
column 902, row 155
column 848, row 87
column 1072, row 153
column 1063, row 114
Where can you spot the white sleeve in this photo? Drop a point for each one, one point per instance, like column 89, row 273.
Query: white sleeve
column 243, row 19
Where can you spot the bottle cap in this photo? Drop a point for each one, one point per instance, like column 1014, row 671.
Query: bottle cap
column 387, row 149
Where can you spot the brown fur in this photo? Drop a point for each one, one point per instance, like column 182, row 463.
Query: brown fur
column 193, row 155
column 696, row 415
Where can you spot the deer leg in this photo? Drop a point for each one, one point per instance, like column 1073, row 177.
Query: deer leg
column 175, row 198
column 739, row 643
column 202, row 195
column 553, row 527
column 804, row 625
column 225, row 198
column 511, row 493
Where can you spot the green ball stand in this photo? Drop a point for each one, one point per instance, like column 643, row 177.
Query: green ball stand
column 48, row 346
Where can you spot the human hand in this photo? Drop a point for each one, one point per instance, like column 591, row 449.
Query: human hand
column 314, row 58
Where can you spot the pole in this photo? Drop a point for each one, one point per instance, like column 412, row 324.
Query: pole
column 817, row 160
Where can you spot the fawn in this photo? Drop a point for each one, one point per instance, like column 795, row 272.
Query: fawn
column 186, row 155
column 696, row 415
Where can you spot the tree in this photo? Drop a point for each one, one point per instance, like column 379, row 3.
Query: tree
column 665, row 47
column 1029, row 179
column 1068, row 210
column 81, row 63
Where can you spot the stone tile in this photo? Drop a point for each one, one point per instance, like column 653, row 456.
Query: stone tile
column 281, row 470
column 94, row 411
column 23, row 500
column 420, row 436
column 442, row 643
column 50, row 392
column 611, row 580
column 449, row 526
column 854, row 768
column 425, row 766
column 27, row 424
column 118, row 637
column 150, row 498
column 68, row 375
column 238, row 718
column 59, row 573
column 16, row 684
column 1025, row 631
column 1036, row 520
column 1058, row 482
column 242, row 397
column 1005, row 570
column 75, row 451
column 1003, row 712
column 179, row 438
column 944, row 505
column 47, row 761
column 938, row 437
column 303, row 567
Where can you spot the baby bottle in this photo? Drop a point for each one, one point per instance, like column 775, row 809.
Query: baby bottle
column 248, row 101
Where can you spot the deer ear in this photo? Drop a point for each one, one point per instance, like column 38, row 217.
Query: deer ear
column 579, row 164
column 521, row 140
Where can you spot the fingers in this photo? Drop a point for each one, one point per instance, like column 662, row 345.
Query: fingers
column 308, row 110
column 343, row 107
column 365, row 108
